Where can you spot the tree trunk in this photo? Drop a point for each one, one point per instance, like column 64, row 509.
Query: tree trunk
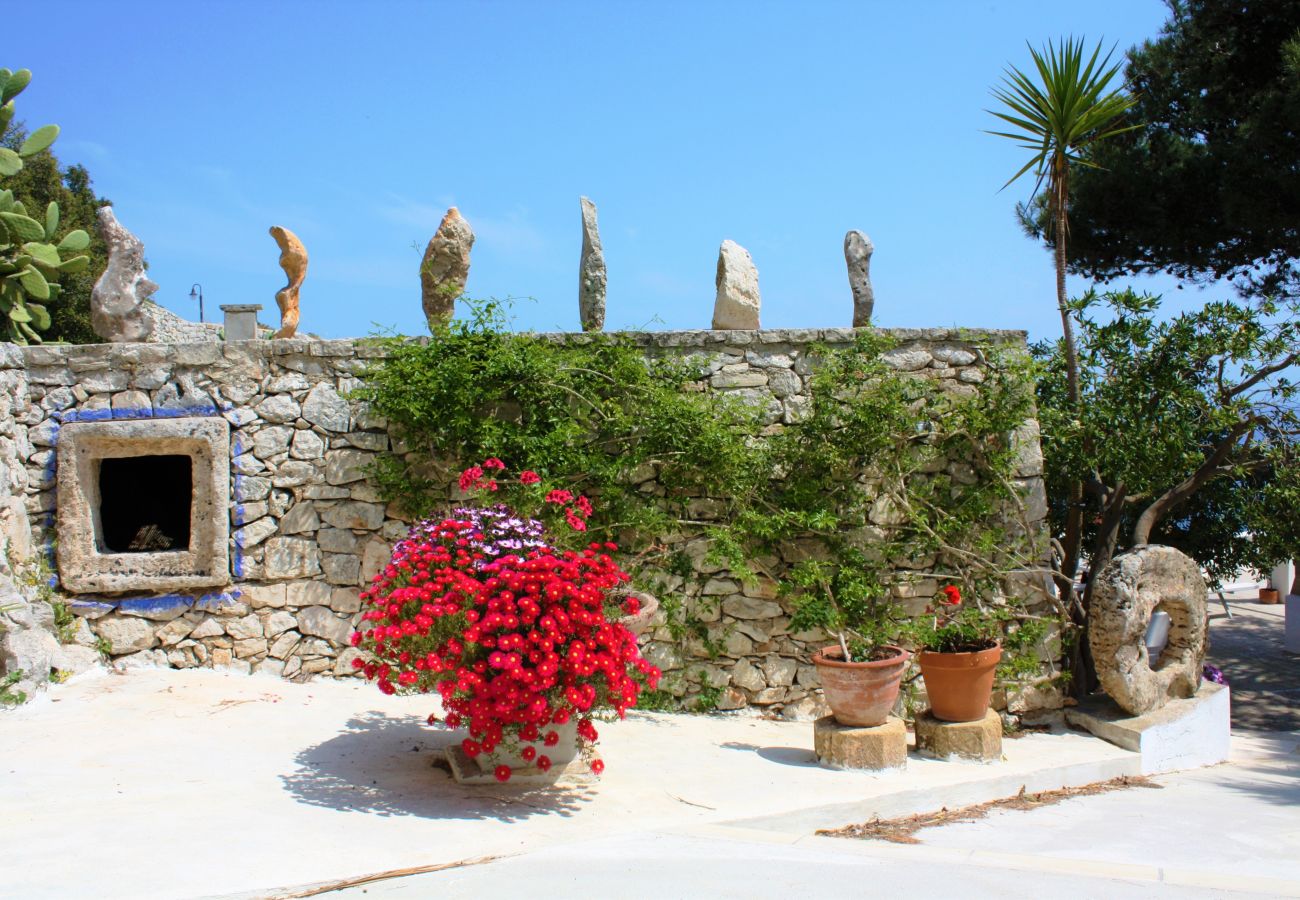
column 1152, row 515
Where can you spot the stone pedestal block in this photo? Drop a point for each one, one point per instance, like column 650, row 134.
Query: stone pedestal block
column 1182, row 734
column 1291, row 637
column 468, row 771
column 850, row 747
column 981, row 739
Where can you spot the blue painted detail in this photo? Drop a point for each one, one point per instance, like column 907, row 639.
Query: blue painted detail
column 89, row 606
column 103, row 415
column 214, row 602
column 133, row 412
column 164, row 604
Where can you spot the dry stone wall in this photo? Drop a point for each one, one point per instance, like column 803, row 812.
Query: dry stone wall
column 308, row 530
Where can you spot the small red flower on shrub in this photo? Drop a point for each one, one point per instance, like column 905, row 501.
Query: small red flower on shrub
column 952, row 595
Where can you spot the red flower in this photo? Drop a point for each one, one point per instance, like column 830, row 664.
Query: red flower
column 470, row 477
column 559, row 496
column 953, row 595
column 493, row 463
column 597, row 766
column 502, row 773
column 544, row 763
column 528, row 476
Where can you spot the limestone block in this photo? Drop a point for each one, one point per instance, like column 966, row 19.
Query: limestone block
column 278, row 408
column 272, row 441
column 355, row 514
column 907, row 359
column 981, row 740
column 737, row 303
column 337, row 540
column 31, row 651
column 345, row 600
column 374, row 559
column 293, row 472
column 250, row 647
column 118, row 297
column 309, row 593
column 277, row 623
column 126, row 634
column 255, row 532
column 300, row 518
column 848, row 747
column 175, row 631
column 284, row 644
column 319, row 621
column 261, row 596
column 306, row 444
column 746, row 675
column 743, row 607
column 326, row 408
column 346, row 466
column 341, row 568
column 208, row 628
column 289, row 557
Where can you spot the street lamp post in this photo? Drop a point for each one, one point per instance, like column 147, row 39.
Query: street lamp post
column 198, row 296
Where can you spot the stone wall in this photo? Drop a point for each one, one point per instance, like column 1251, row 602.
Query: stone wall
column 307, row 529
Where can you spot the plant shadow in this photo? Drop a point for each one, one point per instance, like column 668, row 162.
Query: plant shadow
column 392, row 766
column 801, row 757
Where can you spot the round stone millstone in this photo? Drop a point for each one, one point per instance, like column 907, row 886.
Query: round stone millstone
column 1126, row 594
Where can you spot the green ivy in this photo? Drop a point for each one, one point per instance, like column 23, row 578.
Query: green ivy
column 891, row 479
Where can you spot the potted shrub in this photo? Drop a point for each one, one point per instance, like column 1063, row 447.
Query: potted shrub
column 860, row 674
column 960, row 647
column 519, row 638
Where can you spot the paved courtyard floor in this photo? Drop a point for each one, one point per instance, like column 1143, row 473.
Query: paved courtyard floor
column 208, row 784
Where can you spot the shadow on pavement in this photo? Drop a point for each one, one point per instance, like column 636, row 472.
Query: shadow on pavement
column 386, row 766
column 786, row 756
column 1264, row 678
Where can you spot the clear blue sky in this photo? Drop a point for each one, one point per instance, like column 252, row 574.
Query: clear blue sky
column 778, row 125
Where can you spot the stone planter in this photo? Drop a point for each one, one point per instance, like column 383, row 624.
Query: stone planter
column 959, row 684
column 641, row 622
column 860, row 694
column 564, row 751
column 1269, row 596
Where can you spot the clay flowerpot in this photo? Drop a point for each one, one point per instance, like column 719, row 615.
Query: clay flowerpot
column 860, row 693
column 959, row 684
column 1270, row 595
column 639, row 624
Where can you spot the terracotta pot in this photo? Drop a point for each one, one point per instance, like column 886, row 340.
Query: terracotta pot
column 959, row 684
column 640, row 623
column 1270, row 595
column 860, row 693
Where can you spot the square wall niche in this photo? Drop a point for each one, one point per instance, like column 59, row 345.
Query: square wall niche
column 143, row 505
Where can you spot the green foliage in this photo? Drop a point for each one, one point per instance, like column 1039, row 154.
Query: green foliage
column 1209, row 185
column 8, row 696
column 65, row 622
column 30, row 262
column 890, row 478
column 1206, row 400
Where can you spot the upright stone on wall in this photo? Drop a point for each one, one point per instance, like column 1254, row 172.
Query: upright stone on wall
column 293, row 260
column 445, row 268
column 737, row 303
column 591, row 272
column 118, row 296
column 857, row 255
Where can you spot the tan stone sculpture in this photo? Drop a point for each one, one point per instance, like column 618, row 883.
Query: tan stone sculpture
column 1126, row 594
column 445, row 268
column 293, row 259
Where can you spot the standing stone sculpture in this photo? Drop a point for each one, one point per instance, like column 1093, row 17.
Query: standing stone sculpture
column 118, row 297
column 737, row 303
column 1125, row 595
column 857, row 254
column 591, row 272
column 293, row 259
column 445, row 268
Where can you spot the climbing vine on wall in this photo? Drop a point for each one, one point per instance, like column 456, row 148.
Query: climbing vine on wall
column 890, row 478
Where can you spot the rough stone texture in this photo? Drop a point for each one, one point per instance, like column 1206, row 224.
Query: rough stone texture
column 205, row 563
column 319, row 621
column 857, row 254
column 1125, row 595
column 293, row 259
column 845, row 747
column 118, row 296
column 445, row 268
column 981, row 740
column 168, row 328
column 737, row 303
column 591, row 272
column 303, row 514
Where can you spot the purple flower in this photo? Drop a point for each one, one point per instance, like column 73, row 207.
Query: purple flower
column 1213, row 673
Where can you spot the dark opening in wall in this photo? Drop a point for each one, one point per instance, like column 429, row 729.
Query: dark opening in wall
column 144, row 503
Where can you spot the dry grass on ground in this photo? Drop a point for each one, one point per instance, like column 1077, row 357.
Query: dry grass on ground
column 903, row 830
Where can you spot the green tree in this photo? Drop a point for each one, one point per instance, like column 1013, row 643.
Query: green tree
column 1187, row 433
column 1207, row 185
column 1059, row 118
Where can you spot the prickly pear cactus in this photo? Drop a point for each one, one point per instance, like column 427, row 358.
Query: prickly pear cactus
column 30, row 260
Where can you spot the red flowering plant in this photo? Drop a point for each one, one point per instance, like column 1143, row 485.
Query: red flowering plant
column 953, row 626
column 519, row 639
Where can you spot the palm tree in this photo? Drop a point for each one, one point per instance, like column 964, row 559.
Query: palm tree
column 1058, row 118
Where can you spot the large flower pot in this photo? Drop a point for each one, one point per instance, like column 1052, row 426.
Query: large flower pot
column 860, row 693
column 563, row 752
column 959, row 684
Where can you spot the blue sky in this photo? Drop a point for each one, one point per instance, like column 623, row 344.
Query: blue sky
column 777, row 125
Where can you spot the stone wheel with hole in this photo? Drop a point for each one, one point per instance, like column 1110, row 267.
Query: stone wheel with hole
column 1126, row 594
